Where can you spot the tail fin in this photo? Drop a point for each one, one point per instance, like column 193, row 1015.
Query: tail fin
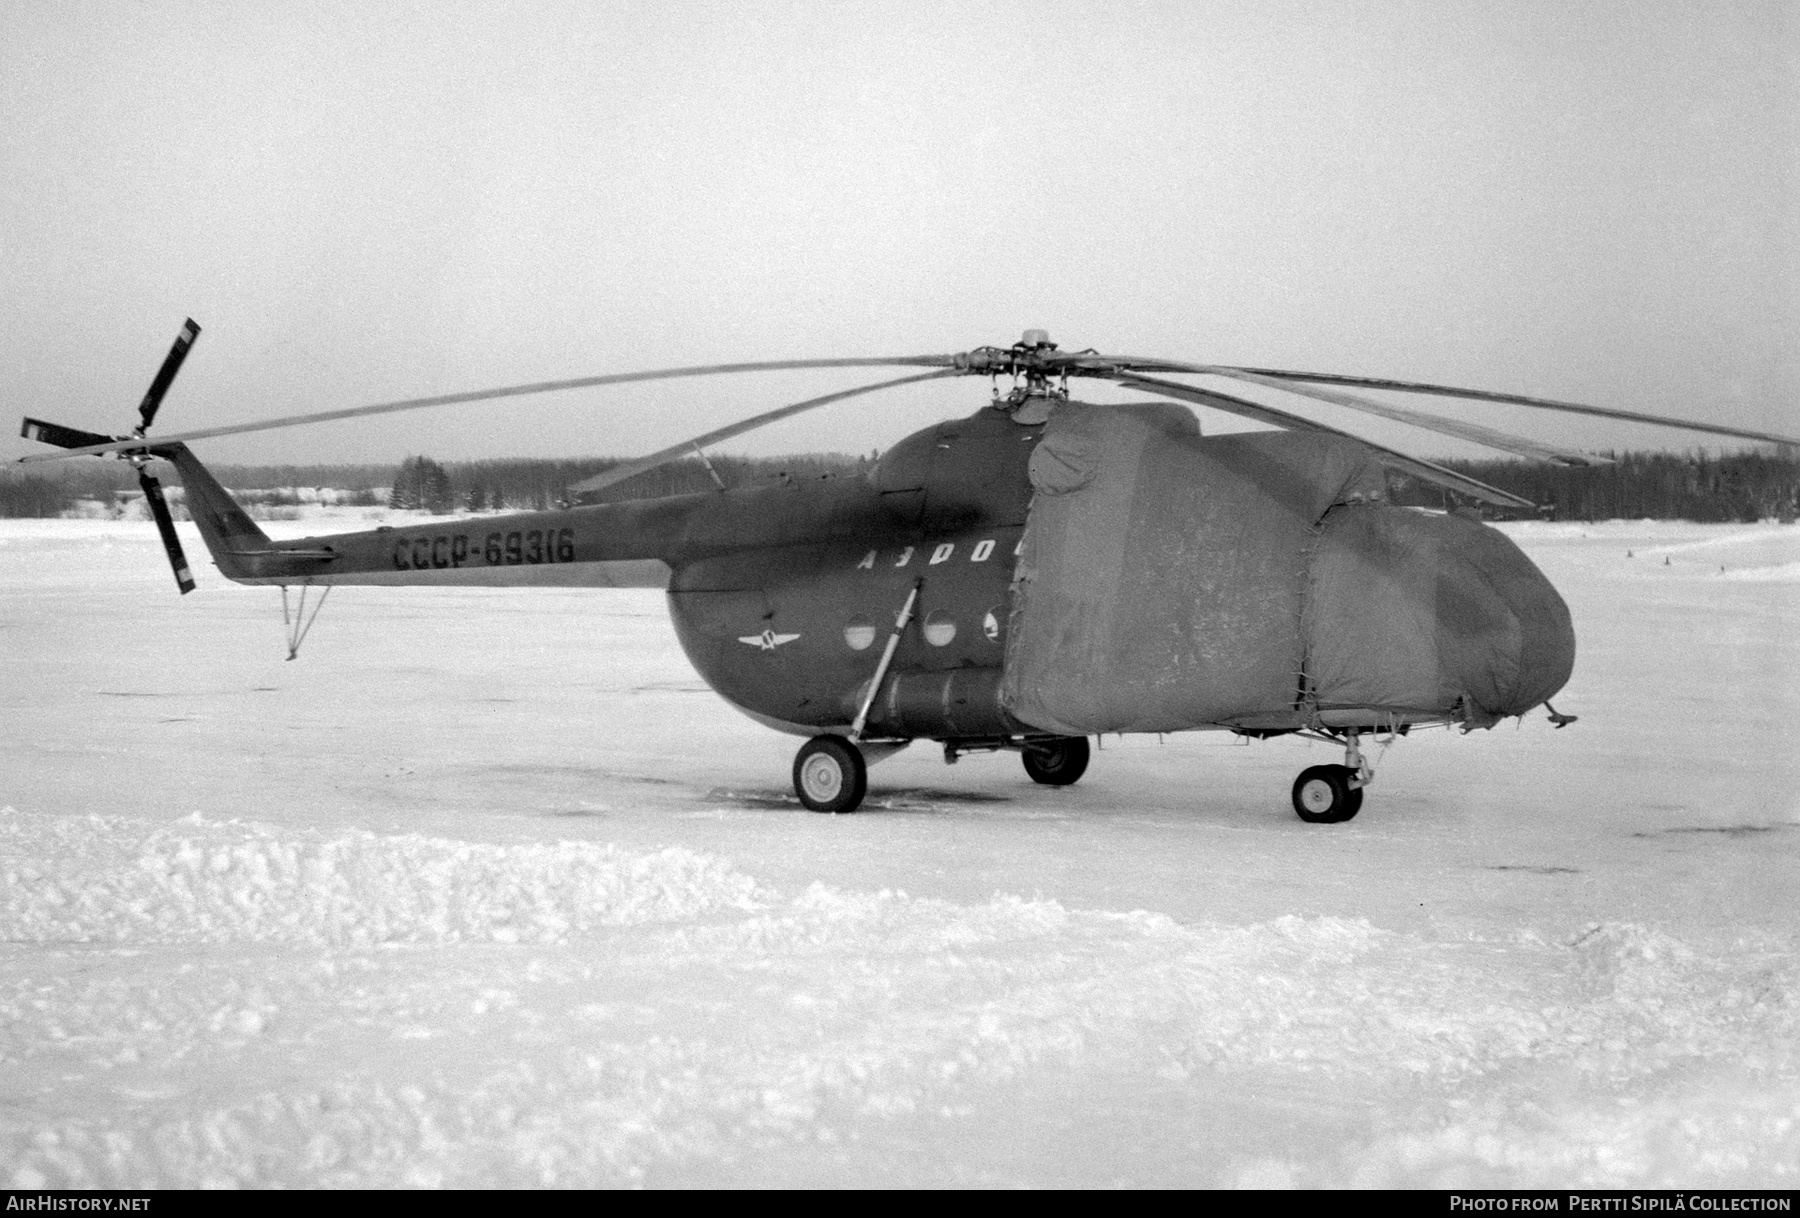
column 242, row 551
column 227, row 529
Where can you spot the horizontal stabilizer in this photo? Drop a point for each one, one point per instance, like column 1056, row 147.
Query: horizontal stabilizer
column 62, row 437
column 317, row 555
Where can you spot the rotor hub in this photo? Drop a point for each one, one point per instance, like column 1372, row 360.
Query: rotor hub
column 1031, row 362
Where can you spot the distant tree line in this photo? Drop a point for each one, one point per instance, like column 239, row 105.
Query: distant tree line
column 1743, row 486
column 517, row 484
column 532, row 484
column 521, row 484
column 53, row 490
column 1664, row 486
column 32, row 496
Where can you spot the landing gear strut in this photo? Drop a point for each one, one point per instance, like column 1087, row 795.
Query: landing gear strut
column 830, row 774
column 1328, row 794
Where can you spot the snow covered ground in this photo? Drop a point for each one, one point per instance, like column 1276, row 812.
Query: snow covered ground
column 487, row 889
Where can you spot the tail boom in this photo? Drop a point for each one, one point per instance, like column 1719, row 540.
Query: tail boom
column 608, row 545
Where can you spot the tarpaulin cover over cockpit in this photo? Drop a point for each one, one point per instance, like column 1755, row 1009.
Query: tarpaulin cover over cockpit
column 1420, row 614
column 1170, row 581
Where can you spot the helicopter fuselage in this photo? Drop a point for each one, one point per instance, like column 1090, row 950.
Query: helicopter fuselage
column 1070, row 570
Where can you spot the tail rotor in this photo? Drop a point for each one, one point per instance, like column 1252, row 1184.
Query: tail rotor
column 72, row 437
column 153, row 492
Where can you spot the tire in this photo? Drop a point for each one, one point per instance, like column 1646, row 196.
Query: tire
column 1056, row 763
column 830, row 774
column 1323, row 795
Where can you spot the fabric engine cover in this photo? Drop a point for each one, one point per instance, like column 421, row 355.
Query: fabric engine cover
column 1162, row 575
column 1169, row 582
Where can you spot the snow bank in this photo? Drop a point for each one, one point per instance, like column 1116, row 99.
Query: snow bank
column 1717, row 1130
column 105, row 879
column 578, row 1014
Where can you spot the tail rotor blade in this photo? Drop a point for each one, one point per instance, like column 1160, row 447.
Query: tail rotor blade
column 165, row 524
column 147, row 408
column 62, row 437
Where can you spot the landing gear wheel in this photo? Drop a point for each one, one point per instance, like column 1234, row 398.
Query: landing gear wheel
column 830, row 774
column 1056, row 763
column 1323, row 794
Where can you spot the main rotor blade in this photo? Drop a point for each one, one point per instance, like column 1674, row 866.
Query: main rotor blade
column 1425, row 470
column 1101, row 365
column 509, row 391
column 147, row 408
column 1515, row 399
column 631, row 469
column 165, row 524
column 1472, row 432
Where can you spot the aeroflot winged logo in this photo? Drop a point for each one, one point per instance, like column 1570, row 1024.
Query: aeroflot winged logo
column 768, row 640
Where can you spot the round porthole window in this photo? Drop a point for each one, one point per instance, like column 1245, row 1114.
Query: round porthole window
column 940, row 631
column 859, row 634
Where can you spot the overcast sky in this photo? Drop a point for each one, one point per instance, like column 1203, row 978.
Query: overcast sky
column 360, row 202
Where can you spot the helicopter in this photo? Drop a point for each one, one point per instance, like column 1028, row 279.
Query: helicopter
column 1039, row 572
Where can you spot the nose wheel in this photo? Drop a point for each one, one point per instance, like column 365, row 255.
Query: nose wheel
column 830, row 774
column 1329, row 794
column 1323, row 794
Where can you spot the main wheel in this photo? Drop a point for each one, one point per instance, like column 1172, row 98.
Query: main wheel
column 1056, row 763
column 1323, row 794
column 830, row 774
